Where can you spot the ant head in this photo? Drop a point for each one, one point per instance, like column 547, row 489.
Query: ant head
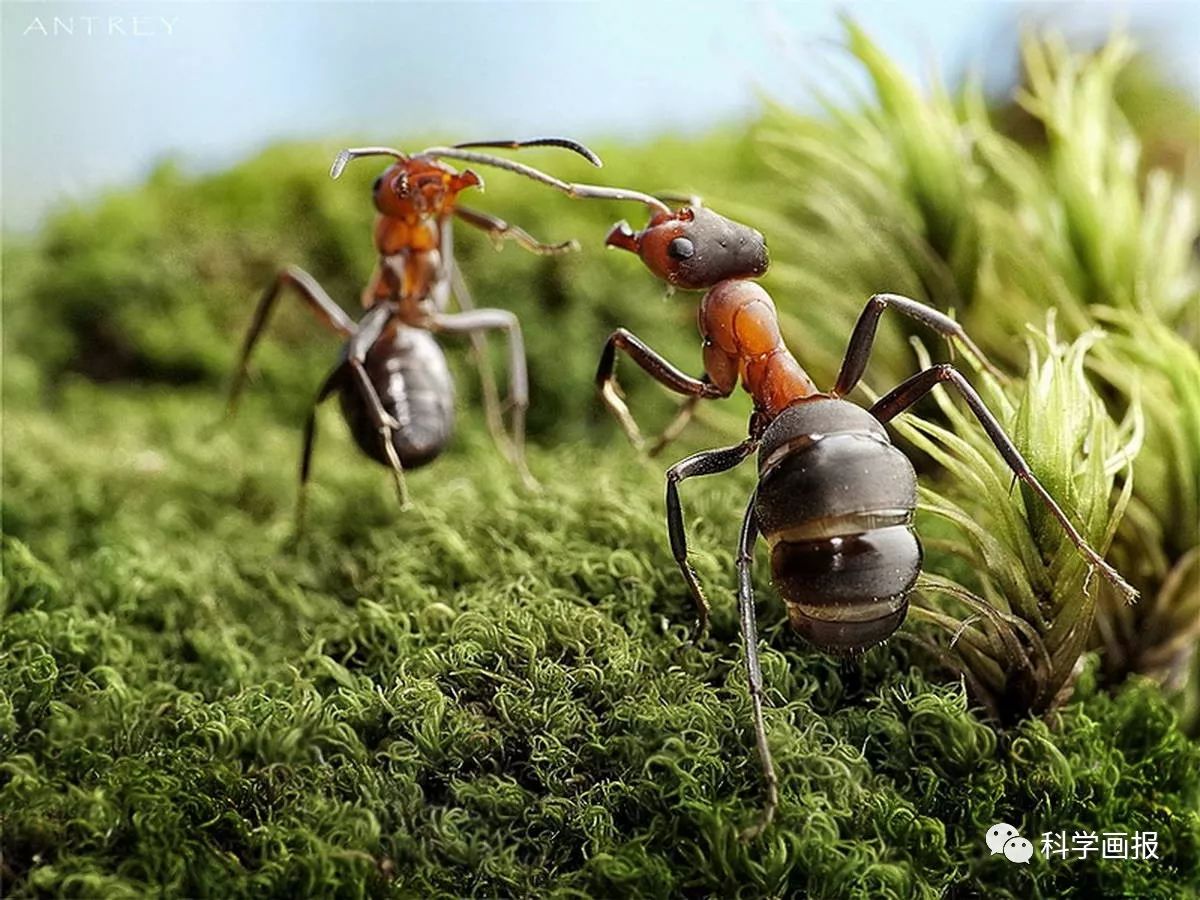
column 418, row 186
column 694, row 248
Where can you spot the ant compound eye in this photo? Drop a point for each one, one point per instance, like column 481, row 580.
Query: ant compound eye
column 375, row 186
column 680, row 248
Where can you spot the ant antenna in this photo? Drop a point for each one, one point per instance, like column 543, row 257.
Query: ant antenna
column 339, row 161
column 579, row 191
column 564, row 143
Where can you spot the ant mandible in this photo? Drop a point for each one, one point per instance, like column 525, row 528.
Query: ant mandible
column 835, row 498
column 395, row 388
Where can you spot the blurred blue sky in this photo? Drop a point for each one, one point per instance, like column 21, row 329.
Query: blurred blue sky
column 210, row 82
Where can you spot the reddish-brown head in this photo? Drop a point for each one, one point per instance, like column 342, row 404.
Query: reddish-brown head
column 419, row 184
column 694, row 248
column 420, row 187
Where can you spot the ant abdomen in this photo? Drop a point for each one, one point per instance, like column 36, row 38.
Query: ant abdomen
column 835, row 504
column 409, row 373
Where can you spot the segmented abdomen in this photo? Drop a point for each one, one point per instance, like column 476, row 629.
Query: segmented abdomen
column 835, row 504
column 414, row 384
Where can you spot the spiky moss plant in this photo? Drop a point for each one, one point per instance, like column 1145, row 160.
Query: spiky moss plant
column 1029, row 597
column 484, row 697
column 1119, row 251
column 925, row 195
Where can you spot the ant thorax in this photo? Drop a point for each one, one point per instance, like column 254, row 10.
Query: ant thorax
column 410, row 281
column 742, row 340
column 412, row 233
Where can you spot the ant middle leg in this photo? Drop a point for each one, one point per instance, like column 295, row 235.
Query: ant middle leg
column 707, row 462
column 656, row 367
column 332, row 381
column 476, row 322
column 916, row 387
column 313, row 294
column 863, row 336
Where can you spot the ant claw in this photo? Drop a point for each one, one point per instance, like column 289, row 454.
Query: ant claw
column 699, row 632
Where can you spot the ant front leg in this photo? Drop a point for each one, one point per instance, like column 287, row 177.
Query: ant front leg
column 923, row 382
column 859, row 349
column 749, row 625
column 482, row 320
column 312, row 293
column 499, row 231
column 707, row 462
column 657, row 368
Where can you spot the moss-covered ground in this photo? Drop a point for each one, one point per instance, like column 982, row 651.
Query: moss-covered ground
column 486, row 695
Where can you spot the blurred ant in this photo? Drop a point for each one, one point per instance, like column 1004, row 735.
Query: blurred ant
column 835, row 498
column 395, row 389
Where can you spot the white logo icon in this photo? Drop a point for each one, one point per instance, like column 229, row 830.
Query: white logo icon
column 1018, row 850
column 1003, row 838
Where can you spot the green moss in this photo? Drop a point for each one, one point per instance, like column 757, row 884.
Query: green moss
column 484, row 696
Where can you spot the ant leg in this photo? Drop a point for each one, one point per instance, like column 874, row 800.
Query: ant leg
column 656, row 367
column 481, row 320
column 707, row 462
column 499, row 231
column 370, row 328
column 683, row 415
column 329, row 312
column 754, row 677
column 859, row 348
column 310, row 435
column 487, row 381
column 916, row 387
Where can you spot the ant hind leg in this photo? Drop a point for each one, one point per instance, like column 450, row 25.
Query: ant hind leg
column 492, row 413
column 477, row 322
column 916, row 387
column 331, row 383
column 749, row 625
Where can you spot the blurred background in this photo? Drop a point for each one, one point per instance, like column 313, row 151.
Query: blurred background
column 96, row 93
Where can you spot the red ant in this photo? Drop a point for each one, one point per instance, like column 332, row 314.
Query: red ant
column 835, row 498
column 395, row 389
